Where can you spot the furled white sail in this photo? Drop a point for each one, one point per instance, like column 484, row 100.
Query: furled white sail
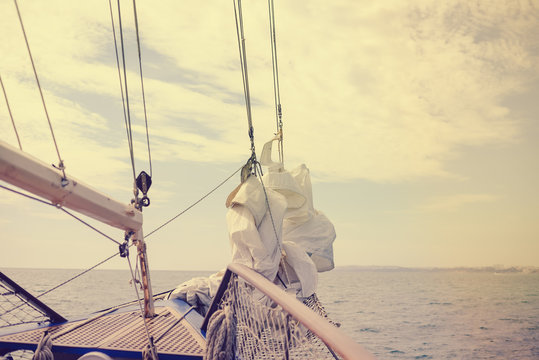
column 302, row 224
column 255, row 233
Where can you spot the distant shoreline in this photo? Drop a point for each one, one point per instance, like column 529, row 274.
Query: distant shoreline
column 485, row 269
column 498, row 269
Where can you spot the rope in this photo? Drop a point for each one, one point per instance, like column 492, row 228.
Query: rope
column 150, row 351
column 142, row 87
column 64, row 283
column 67, row 212
column 276, row 90
column 243, row 62
column 44, row 348
column 22, row 301
column 258, row 168
column 195, row 203
column 175, row 323
column 108, row 237
column 60, row 161
column 78, row 275
column 128, row 119
column 221, row 335
column 58, row 206
column 27, row 196
column 10, row 114
column 129, row 142
column 85, row 223
column 78, row 325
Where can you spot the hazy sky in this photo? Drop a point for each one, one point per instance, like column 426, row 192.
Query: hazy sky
column 417, row 119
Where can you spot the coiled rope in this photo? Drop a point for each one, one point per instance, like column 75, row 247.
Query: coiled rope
column 44, row 348
column 221, row 335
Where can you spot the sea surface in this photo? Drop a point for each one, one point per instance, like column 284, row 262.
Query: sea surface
column 394, row 313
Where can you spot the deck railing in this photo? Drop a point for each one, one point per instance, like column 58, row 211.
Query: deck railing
column 293, row 319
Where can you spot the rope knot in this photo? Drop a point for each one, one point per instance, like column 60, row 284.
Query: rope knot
column 44, row 348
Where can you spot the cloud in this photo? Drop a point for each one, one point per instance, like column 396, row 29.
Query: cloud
column 384, row 92
column 403, row 89
column 451, row 203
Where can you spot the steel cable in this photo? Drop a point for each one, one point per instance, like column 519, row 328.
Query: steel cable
column 60, row 161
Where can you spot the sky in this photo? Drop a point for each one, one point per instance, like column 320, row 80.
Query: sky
column 417, row 119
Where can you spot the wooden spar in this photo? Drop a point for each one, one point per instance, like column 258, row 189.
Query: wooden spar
column 329, row 334
column 45, row 181
column 38, row 178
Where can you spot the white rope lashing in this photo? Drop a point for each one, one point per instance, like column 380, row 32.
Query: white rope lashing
column 44, row 348
column 221, row 335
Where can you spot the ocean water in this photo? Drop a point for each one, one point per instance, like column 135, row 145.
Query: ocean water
column 395, row 314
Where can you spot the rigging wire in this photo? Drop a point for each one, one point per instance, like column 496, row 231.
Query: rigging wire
column 78, row 275
column 128, row 119
column 62, row 209
column 116, row 253
column 60, row 161
column 119, row 72
column 67, row 212
column 142, row 87
column 87, row 224
column 26, row 195
column 67, row 281
column 194, row 204
column 276, row 90
column 243, row 62
column 258, row 168
column 10, row 114
column 252, row 163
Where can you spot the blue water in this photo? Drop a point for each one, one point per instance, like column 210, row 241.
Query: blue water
column 396, row 314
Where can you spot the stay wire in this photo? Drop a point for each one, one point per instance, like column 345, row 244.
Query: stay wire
column 62, row 209
column 87, row 224
column 243, row 62
column 108, row 237
column 10, row 114
column 195, row 203
column 128, row 123
column 67, row 212
column 142, row 87
column 78, row 275
column 26, row 195
column 276, row 87
column 119, row 74
column 60, row 161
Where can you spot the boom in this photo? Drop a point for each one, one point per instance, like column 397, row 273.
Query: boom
column 38, row 178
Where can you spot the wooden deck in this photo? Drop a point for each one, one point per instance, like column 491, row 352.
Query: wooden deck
column 121, row 334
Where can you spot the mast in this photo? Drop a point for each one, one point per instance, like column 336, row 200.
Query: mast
column 145, row 273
